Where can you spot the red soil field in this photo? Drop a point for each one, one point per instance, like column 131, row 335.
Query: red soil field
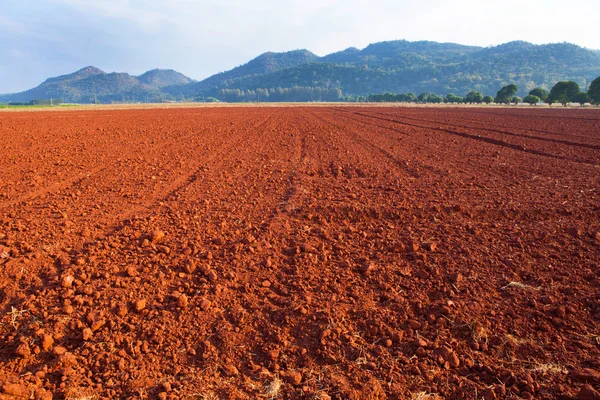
column 300, row 253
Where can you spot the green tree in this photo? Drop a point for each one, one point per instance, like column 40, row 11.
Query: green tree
column 516, row 100
column 564, row 92
column 505, row 95
column 474, row 97
column 488, row 99
column 539, row 92
column 581, row 98
column 452, row 98
column 423, row 97
column 594, row 91
column 434, row 98
column 532, row 99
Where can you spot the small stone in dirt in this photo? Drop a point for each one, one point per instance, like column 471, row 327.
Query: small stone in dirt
column 182, row 301
column 273, row 354
column 398, row 336
column 422, row 274
column 367, row 267
column 122, row 311
column 211, row 275
column 450, row 357
column 157, row 235
column 414, row 325
column 140, row 305
column 421, row 352
column 429, row 246
column 42, row 394
column 47, row 342
column 575, row 231
column 98, row 325
column 87, row 334
column 204, row 304
column 67, row 281
column 585, row 376
column 266, row 283
column 588, row 393
column 15, row 390
column 189, row 266
column 23, row 350
column 230, row 370
column 489, row 394
column 131, row 272
column 421, row 342
column 293, row 377
column 59, row 351
column 456, row 277
column 163, row 249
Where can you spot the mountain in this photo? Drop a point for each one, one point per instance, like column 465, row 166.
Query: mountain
column 91, row 84
column 396, row 66
column 159, row 78
column 264, row 64
column 402, row 66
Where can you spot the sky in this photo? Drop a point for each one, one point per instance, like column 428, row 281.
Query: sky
column 45, row 38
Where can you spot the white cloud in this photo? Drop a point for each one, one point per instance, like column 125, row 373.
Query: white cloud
column 147, row 20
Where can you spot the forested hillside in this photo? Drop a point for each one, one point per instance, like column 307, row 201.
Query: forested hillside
column 395, row 66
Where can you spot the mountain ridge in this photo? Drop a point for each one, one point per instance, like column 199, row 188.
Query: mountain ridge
column 397, row 66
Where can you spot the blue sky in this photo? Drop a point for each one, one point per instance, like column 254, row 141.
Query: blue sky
column 43, row 38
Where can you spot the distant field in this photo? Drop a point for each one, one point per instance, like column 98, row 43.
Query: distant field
column 40, row 107
column 84, row 107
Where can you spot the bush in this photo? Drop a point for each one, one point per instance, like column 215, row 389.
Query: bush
column 594, row 91
column 539, row 92
column 564, row 92
column 531, row 99
column 581, row 98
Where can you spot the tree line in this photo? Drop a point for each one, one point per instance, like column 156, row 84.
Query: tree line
column 563, row 92
column 50, row 102
column 292, row 94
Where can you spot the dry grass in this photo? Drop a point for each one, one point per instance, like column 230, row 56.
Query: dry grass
column 520, row 285
column 550, row 369
column 273, row 388
column 480, row 334
column 79, row 394
column 518, row 341
column 206, row 396
column 321, row 396
column 15, row 315
column 425, row 396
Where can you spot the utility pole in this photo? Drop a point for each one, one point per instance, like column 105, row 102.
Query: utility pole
column 51, row 102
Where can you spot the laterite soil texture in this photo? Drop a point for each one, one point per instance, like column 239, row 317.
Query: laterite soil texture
column 300, row 253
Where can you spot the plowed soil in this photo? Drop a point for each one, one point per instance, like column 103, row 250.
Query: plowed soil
column 300, row 253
